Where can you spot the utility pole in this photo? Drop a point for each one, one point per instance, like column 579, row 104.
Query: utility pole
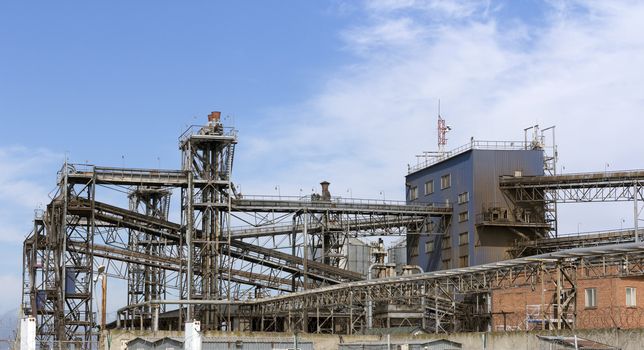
column 103, row 301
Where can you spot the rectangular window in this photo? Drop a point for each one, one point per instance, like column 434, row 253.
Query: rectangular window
column 591, row 297
column 429, row 187
column 446, row 264
column 446, row 242
column 446, row 181
column 463, row 216
column 413, row 193
column 414, row 250
column 429, row 246
column 463, row 238
column 463, row 198
column 463, row 261
column 631, row 296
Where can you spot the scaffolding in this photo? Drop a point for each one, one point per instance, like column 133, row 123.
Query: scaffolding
column 287, row 244
column 284, row 268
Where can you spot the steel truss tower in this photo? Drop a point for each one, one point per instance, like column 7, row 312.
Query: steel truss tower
column 59, row 281
column 207, row 159
column 265, row 275
column 201, row 266
column 147, row 282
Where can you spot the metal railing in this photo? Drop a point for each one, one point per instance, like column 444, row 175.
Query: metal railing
column 196, row 129
column 313, row 199
column 621, row 177
column 133, row 172
column 259, row 230
column 67, row 345
column 431, row 159
column 86, row 171
column 614, row 232
column 487, row 217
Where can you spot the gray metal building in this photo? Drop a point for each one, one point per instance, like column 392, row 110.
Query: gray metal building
column 484, row 222
column 358, row 256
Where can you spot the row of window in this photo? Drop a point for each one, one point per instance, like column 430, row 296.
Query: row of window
column 463, row 239
column 591, row 297
column 446, row 182
column 462, row 198
column 463, row 261
column 429, row 189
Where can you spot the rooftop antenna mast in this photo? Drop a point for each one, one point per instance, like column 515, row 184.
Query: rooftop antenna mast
column 442, row 141
column 442, row 130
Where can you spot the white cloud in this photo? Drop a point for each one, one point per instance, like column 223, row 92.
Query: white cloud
column 393, row 32
column 579, row 69
column 438, row 9
column 24, row 179
column 10, row 294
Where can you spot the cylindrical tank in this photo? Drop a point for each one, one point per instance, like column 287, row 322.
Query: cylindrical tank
column 358, row 256
column 398, row 255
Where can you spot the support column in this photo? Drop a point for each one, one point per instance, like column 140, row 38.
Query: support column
column 155, row 318
column 558, row 296
column 189, row 245
column 636, row 211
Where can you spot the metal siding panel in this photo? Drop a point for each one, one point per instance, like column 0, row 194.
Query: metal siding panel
column 477, row 172
column 359, row 256
column 460, row 168
column 489, row 165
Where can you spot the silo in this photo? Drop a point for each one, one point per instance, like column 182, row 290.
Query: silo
column 398, row 255
column 358, row 256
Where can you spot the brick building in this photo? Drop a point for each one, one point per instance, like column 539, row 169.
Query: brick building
column 600, row 303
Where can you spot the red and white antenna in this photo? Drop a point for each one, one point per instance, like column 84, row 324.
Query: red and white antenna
column 442, row 130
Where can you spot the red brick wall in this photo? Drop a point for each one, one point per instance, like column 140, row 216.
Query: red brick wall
column 509, row 306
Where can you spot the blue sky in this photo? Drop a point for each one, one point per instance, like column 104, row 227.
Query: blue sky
column 339, row 90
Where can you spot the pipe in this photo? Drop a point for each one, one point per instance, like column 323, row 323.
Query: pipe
column 636, row 212
column 416, row 267
column 189, row 233
column 182, row 301
column 155, row 320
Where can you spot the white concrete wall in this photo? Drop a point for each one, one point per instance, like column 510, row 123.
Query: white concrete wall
column 192, row 336
column 626, row 339
column 28, row 333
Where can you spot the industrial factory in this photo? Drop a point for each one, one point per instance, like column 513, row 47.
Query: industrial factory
column 473, row 259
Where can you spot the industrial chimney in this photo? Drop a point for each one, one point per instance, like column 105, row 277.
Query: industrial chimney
column 214, row 117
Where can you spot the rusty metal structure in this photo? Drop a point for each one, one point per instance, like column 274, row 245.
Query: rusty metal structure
column 277, row 263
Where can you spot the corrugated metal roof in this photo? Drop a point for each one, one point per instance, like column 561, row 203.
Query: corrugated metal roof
column 154, row 340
